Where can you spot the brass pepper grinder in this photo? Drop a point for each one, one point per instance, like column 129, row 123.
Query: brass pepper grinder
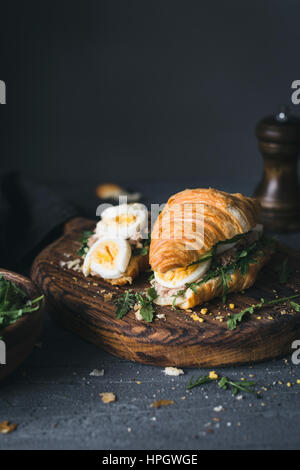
column 278, row 192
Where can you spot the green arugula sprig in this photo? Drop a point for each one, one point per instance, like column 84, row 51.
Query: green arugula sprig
column 84, row 243
column 199, row 381
column 295, row 306
column 14, row 303
column 236, row 318
column 125, row 302
column 144, row 249
column 224, row 383
column 242, row 386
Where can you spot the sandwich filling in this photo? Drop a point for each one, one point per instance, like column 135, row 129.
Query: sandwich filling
column 174, row 286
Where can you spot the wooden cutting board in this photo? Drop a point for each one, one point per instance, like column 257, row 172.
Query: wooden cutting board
column 78, row 304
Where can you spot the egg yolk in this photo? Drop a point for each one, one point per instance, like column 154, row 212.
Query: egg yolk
column 178, row 274
column 122, row 219
column 106, row 254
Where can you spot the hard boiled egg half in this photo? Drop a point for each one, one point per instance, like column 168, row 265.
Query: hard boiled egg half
column 108, row 258
column 122, row 221
column 180, row 276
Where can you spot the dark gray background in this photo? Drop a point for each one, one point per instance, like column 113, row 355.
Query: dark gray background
column 111, row 90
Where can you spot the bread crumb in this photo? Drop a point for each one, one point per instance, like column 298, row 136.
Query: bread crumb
column 204, row 311
column 161, row 316
column 97, row 373
column 108, row 397
column 212, row 375
column 6, row 427
column 219, row 408
column 108, row 297
column 159, row 403
column 173, row 371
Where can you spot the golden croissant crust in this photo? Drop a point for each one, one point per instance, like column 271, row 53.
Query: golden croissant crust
column 176, row 240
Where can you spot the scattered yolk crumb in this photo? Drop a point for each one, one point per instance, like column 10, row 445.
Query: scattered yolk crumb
column 212, row 375
column 203, row 311
column 138, row 382
column 289, row 384
column 298, row 381
column 196, row 318
column 258, row 318
column 231, row 306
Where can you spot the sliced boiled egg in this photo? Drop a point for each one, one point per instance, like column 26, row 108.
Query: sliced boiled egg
column 108, row 258
column 180, row 276
column 123, row 221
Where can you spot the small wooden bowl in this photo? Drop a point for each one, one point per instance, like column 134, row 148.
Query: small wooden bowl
column 20, row 337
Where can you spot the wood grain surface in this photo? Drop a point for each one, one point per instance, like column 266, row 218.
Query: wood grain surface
column 79, row 304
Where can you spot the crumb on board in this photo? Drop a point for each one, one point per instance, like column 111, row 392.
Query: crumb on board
column 159, row 403
column 213, row 375
column 204, row 311
column 161, row 316
column 174, row 371
column 108, row 297
column 74, row 264
column 219, row 408
column 108, row 397
column 97, row 373
column 231, row 306
column 195, row 317
column 6, row 427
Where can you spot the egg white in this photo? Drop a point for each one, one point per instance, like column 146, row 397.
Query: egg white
column 122, row 221
column 101, row 259
column 184, row 275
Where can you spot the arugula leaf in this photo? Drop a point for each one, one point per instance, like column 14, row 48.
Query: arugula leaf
column 224, row 383
column 124, row 303
column 199, row 381
column 84, row 243
column 203, row 258
column 144, row 249
column 151, row 294
column 14, row 303
column 231, row 240
column 295, row 306
column 243, row 386
column 175, row 297
column 147, row 311
column 236, row 318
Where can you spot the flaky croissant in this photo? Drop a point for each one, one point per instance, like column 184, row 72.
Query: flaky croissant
column 204, row 244
column 175, row 241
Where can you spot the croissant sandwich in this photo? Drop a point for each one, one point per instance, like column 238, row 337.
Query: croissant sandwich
column 204, row 244
column 117, row 250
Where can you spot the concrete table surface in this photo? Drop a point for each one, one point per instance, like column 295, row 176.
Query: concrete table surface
column 56, row 403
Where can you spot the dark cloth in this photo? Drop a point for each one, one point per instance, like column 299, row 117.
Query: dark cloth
column 31, row 215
